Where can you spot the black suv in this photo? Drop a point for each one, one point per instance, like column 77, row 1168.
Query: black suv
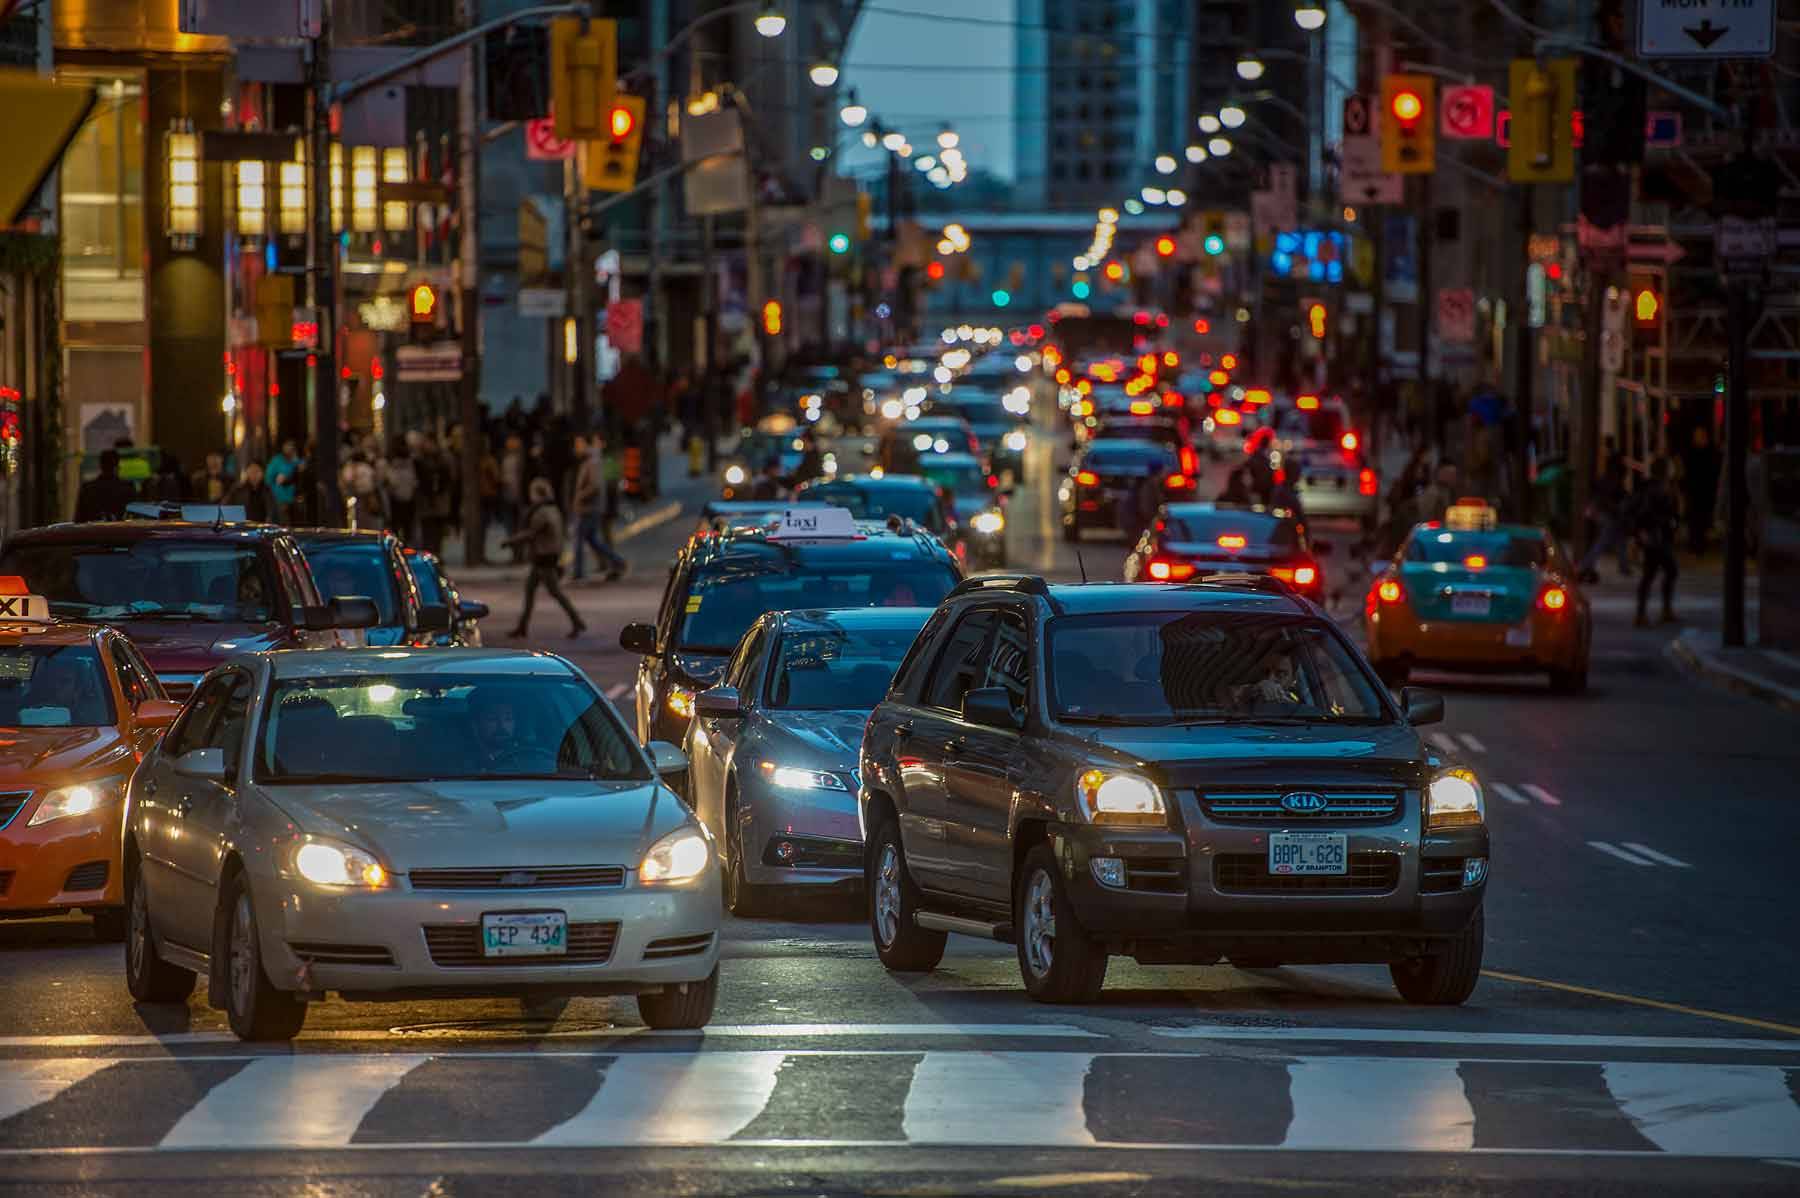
column 1177, row 773
column 722, row 581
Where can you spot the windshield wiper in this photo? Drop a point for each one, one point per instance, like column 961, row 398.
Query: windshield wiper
column 1118, row 721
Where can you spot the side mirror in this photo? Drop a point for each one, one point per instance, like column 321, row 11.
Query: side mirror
column 434, row 617
column 1421, row 706
column 354, row 611
column 157, row 713
column 315, row 617
column 1322, row 549
column 206, row 765
column 668, row 761
column 719, row 703
column 991, row 707
column 472, row 609
column 638, row 638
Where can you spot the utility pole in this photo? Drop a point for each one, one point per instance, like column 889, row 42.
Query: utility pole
column 321, row 277
column 1745, row 306
column 468, row 183
column 1524, row 356
column 1434, row 414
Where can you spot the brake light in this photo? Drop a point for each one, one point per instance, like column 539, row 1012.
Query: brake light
column 1232, row 540
column 1087, row 478
column 1349, row 441
column 1475, row 562
column 1305, row 576
column 1171, row 399
column 1218, row 378
column 1164, row 571
column 1142, row 407
column 1190, row 461
column 1229, row 361
column 1389, row 591
column 993, row 482
column 1307, row 403
column 1257, row 395
column 1177, row 482
column 1227, row 416
column 1554, row 598
column 1365, row 482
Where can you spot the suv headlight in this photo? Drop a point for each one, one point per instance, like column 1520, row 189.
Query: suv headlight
column 681, row 856
column 790, row 777
column 83, row 798
column 1453, row 800
column 1115, row 798
column 327, row 863
column 989, row 522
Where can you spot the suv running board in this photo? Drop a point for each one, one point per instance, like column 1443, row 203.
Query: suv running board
column 967, row 927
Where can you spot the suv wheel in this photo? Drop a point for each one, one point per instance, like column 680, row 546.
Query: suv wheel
column 147, row 975
column 1446, row 976
column 253, row 1006
column 1059, row 961
column 902, row 945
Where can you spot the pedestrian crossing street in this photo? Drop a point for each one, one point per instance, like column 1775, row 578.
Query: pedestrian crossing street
column 1252, row 1096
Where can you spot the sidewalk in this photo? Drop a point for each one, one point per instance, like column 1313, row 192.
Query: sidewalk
column 1767, row 674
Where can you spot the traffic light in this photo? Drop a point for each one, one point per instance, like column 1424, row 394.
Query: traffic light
column 611, row 161
column 839, row 243
column 1165, row 247
column 1646, row 310
column 422, row 307
column 1541, row 139
column 1408, row 124
column 1315, row 318
column 1214, row 245
column 934, row 270
column 584, row 67
column 771, row 318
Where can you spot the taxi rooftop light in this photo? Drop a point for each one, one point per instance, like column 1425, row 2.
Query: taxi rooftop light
column 815, row 522
column 1470, row 514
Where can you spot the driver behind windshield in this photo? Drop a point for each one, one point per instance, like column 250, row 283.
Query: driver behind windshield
column 496, row 728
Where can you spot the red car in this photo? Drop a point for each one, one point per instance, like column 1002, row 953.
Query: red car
column 1192, row 540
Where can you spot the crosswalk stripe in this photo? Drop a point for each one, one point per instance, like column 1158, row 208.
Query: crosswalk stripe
column 1442, row 742
column 672, row 1098
column 1508, row 793
column 1469, row 740
column 1350, row 1102
column 999, row 1098
column 852, row 1030
column 291, row 1102
column 25, row 1084
column 1660, row 858
column 1747, row 1109
column 1614, row 851
column 1457, row 1036
column 1540, row 794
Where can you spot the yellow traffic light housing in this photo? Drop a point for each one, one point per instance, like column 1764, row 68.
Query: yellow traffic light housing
column 584, row 68
column 1542, row 139
column 771, row 317
column 1408, row 124
column 611, row 163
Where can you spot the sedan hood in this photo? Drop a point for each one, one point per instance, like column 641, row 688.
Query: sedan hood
column 172, row 647
column 57, row 754
column 415, row 825
column 1211, row 751
column 826, row 739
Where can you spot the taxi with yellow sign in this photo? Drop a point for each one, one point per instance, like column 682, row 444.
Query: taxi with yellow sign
column 79, row 708
column 1470, row 594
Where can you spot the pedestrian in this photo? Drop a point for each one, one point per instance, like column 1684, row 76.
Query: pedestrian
column 1437, row 496
column 1700, row 487
column 589, row 505
column 400, row 480
column 169, row 483
column 437, row 491
column 1656, row 521
column 1609, row 518
column 512, row 483
column 104, row 496
column 542, row 537
column 210, row 481
column 283, row 474
column 252, row 494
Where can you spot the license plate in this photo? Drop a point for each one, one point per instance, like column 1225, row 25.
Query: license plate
column 1308, row 853
column 1520, row 637
column 539, row 934
column 1470, row 605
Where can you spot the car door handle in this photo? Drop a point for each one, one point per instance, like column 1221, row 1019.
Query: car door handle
column 954, row 745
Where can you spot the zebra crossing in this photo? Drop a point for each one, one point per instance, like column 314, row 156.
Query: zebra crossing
column 1477, row 1100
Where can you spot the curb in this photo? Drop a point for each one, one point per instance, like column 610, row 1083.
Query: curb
column 1703, row 664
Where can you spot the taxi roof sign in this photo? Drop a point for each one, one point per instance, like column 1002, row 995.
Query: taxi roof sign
column 19, row 605
column 815, row 522
column 1471, row 515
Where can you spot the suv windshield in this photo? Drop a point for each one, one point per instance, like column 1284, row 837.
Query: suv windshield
column 53, row 686
column 427, row 578
column 917, row 504
column 154, row 579
column 1257, row 528
column 355, row 568
column 1204, row 666
column 1321, row 424
column 723, row 600
column 837, row 671
column 438, row 727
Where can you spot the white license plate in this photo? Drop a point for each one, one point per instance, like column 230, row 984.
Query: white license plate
column 1308, row 853
column 539, row 934
column 1520, row 637
column 1470, row 605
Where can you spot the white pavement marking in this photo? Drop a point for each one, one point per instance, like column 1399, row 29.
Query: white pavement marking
column 889, row 1029
column 172, row 1039
column 1347, row 1102
column 284, row 1102
column 649, row 520
column 1381, row 1035
column 1469, row 740
column 615, row 693
column 25, row 1084
column 1662, row 858
column 1508, row 793
column 1621, row 854
column 810, row 1030
column 672, row 1098
column 999, row 1098
column 1737, row 1110
column 1540, row 794
column 1443, row 743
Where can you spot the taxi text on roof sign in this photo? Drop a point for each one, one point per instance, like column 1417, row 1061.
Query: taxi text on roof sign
column 17, row 604
column 816, row 522
column 1466, row 515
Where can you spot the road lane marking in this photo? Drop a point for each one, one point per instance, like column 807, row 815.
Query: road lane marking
column 473, row 1032
column 1621, row 854
column 1767, row 1025
column 1474, row 745
column 284, row 1102
column 672, row 1098
column 1414, row 1105
column 1694, row 1108
column 999, row 1098
column 1508, row 793
column 1442, row 742
column 25, row 1084
column 1663, row 858
column 888, row 1029
column 1540, row 794
column 615, row 693
column 1382, row 1035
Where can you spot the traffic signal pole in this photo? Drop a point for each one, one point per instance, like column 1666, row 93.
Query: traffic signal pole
column 1745, row 306
column 321, row 280
column 468, row 182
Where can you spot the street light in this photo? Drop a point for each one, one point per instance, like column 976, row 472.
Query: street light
column 1154, row 195
column 854, row 113
column 1165, row 165
column 1250, row 69
column 1177, row 197
column 770, row 22
column 893, row 141
column 1195, row 153
column 1231, row 116
column 948, row 139
column 1309, row 16
column 1208, row 123
column 824, row 74
column 926, row 163
column 1220, row 146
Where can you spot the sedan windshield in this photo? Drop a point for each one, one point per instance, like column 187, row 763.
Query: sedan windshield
column 1205, row 666
column 440, row 727
column 917, row 504
column 355, row 568
column 837, row 671
column 723, row 601
column 154, row 579
column 53, row 686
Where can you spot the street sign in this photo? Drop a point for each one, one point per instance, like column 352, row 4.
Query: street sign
column 543, row 145
column 1662, row 130
column 1357, row 122
column 1466, row 113
column 1706, row 29
column 1360, row 177
column 1456, row 315
column 440, row 362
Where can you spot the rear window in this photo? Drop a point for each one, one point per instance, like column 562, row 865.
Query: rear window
column 1257, row 528
column 154, row 579
column 724, row 599
column 1325, row 424
column 1496, row 548
column 355, row 568
column 918, row 504
column 1140, row 457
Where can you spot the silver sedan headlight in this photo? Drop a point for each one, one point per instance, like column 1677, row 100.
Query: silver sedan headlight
column 328, row 863
column 681, row 856
column 791, row 777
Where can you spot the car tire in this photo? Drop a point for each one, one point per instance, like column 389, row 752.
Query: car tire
column 147, row 975
column 1393, row 672
column 1446, row 976
column 1058, row 960
column 255, row 1009
column 109, row 925
column 742, row 898
column 1569, row 682
column 894, row 901
column 681, row 1007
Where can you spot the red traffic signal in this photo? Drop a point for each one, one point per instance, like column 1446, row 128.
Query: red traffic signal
column 1407, row 106
column 1646, row 307
column 620, row 122
column 423, row 304
column 1165, row 247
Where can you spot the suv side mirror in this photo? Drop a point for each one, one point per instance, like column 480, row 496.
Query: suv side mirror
column 157, row 713
column 354, row 611
column 668, row 761
column 719, row 703
column 991, row 707
column 638, row 638
column 315, row 617
column 434, row 617
column 206, row 765
column 1421, row 706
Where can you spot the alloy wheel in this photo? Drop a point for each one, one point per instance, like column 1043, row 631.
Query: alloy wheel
column 887, row 894
column 1040, row 923
column 243, row 954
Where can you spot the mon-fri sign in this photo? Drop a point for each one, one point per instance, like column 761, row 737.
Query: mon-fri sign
column 1360, row 177
column 1706, row 28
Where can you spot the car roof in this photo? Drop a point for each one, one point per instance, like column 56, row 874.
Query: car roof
column 55, row 632
column 952, row 458
column 323, row 663
column 125, row 532
column 1100, row 598
column 321, row 536
column 877, row 542
column 850, row 619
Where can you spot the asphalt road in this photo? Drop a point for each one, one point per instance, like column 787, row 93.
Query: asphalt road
column 1637, row 1029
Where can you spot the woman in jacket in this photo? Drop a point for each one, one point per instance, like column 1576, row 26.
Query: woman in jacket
column 543, row 538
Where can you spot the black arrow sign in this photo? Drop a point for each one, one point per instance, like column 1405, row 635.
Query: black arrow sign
column 1706, row 33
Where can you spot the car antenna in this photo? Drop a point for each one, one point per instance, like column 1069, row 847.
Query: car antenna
column 1083, row 566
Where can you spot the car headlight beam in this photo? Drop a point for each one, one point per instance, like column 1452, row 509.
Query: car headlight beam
column 790, row 777
column 1118, row 798
column 1454, row 800
column 324, row 863
column 82, row 798
column 988, row 523
column 681, row 856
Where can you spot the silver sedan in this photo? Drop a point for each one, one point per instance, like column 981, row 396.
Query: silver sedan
column 403, row 824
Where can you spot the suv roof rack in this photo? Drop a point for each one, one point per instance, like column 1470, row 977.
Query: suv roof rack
column 1027, row 584
column 1267, row 583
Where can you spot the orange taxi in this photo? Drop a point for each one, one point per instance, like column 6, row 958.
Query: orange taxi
column 78, row 709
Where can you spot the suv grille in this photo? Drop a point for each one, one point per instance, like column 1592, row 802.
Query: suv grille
column 1342, row 806
column 1248, row 873
column 458, row 946
column 10, row 803
column 543, row 877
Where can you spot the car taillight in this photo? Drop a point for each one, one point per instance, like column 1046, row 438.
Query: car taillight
column 993, row 482
column 1190, row 461
column 1389, row 591
column 1087, row 478
column 1232, row 541
column 1171, row 399
column 1307, row 403
column 1178, row 482
column 1475, row 562
column 1165, row 571
column 1553, row 599
column 1305, row 576
column 1365, row 482
column 1228, row 417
